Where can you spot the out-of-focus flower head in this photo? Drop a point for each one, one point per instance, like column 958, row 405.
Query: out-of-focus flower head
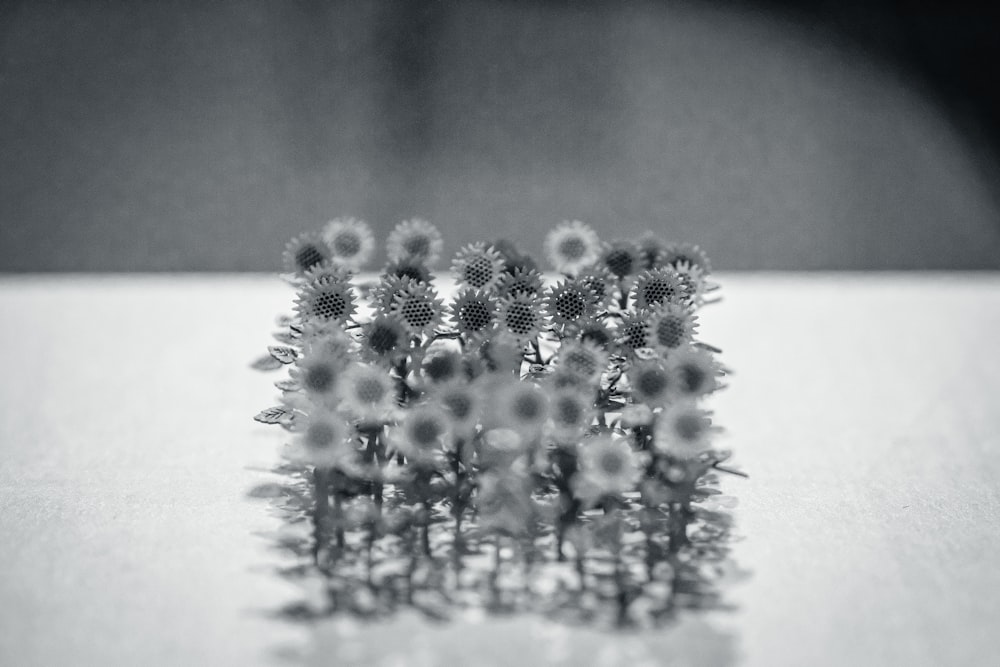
column 414, row 239
column 418, row 307
column 608, row 464
column 505, row 503
column 571, row 411
column 520, row 316
column 442, row 366
column 474, row 312
column 513, row 258
column 421, row 434
column 384, row 337
column 571, row 247
column 658, row 287
column 367, row 392
column 695, row 370
column 350, row 242
column 694, row 283
column 597, row 333
column 582, row 359
column 652, row 384
column 570, row 303
column 323, row 274
column 621, row 258
column 677, row 253
column 520, row 281
column 682, row 430
column 409, row 269
column 504, row 353
column 305, row 252
column 318, row 373
column 324, row 440
column 672, row 327
column 462, row 402
column 519, row 405
column 478, row 267
column 651, row 250
column 325, row 301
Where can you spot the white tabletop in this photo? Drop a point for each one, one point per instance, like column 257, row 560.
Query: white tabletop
column 863, row 406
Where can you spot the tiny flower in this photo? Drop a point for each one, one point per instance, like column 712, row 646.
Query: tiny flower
column 621, row 258
column 520, row 317
column 383, row 337
column 421, row 434
column 318, row 373
column 658, row 287
column 695, row 371
column 671, row 327
column 608, row 464
column 305, row 252
column 651, row 383
column 367, row 392
column 443, row 366
column 520, row 281
column 417, row 307
column 571, row 413
column 414, row 239
column 462, row 403
column 682, row 430
column 474, row 312
column 324, row 441
column 350, row 241
column 570, row 303
column 687, row 253
column 571, row 247
column 582, row 359
column 325, row 302
column 478, row 267
column 521, row 406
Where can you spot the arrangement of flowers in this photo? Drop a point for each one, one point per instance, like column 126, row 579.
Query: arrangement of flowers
column 500, row 437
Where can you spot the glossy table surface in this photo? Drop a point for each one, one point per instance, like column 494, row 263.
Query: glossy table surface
column 863, row 405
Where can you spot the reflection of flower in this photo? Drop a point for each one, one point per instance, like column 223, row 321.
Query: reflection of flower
column 582, row 359
column 474, row 312
column 478, row 267
column 417, row 306
column 414, row 239
column 305, row 252
column 696, row 371
column 682, row 430
column 326, row 301
column 571, row 412
column 651, row 383
column 367, row 392
column 324, row 440
column 676, row 253
column 520, row 317
column 608, row 464
column 572, row 246
column 350, row 241
column 570, row 303
column 421, row 434
column 671, row 327
column 621, row 258
column 658, row 287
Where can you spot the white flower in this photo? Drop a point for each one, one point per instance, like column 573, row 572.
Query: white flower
column 350, row 242
column 572, row 246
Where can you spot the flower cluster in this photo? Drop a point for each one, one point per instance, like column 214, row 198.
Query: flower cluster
column 438, row 418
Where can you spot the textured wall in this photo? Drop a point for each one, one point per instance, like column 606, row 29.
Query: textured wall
column 189, row 135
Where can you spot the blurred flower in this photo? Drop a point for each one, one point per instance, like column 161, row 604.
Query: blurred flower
column 318, row 373
column 651, row 383
column 572, row 246
column 384, row 337
column 421, row 434
column 651, row 251
column 637, row 414
column 571, row 411
column 408, row 268
column 608, row 465
column 323, row 274
column 350, row 241
column 570, row 303
column 504, row 352
column 505, row 504
column 462, row 402
column 443, row 366
column 682, row 430
column 478, row 267
column 417, row 306
column 520, row 281
column 414, row 239
column 520, row 317
column 474, row 312
column 326, row 338
column 323, row 442
column 326, row 301
column 582, row 359
column 677, row 253
column 658, row 287
column 513, row 258
column 672, row 326
column 596, row 333
column 621, row 258
column 367, row 392
column 304, row 252
column 693, row 281
column 521, row 406
column 695, row 371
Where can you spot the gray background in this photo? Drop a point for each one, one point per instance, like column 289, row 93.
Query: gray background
column 201, row 136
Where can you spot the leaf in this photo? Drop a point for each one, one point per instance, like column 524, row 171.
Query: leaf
column 266, row 363
column 285, row 337
column 275, row 415
column 287, row 385
column 283, row 353
column 268, row 490
column 283, row 320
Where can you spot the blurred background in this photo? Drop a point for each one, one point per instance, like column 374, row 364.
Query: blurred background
column 188, row 135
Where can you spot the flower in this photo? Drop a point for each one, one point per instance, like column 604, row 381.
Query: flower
column 408, row 268
column 657, row 287
column 478, row 267
column 384, row 336
column 671, row 326
column 323, row 274
column 582, row 359
column 443, row 366
column 601, row 283
column 571, row 412
column 520, row 281
column 326, row 338
column 572, row 246
column 677, row 253
column 367, row 392
column 350, row 241
column 651, row 383
column 325, row 301
column 417, row 307
column 621, row 258
column 682, row 430
column 421, row 434
column 570, row 303
column 651, row 249
column 608, row 464
column 318, row 373
column 634, row 331
column 695, row 371
column 414, row 239
column 519, row 316
column 513, row 258
column 324, row 441
column 520, row 406
column 474, row 312
column 305, row 252
column 505, row 503
column 596, row 333
column 462, row 402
